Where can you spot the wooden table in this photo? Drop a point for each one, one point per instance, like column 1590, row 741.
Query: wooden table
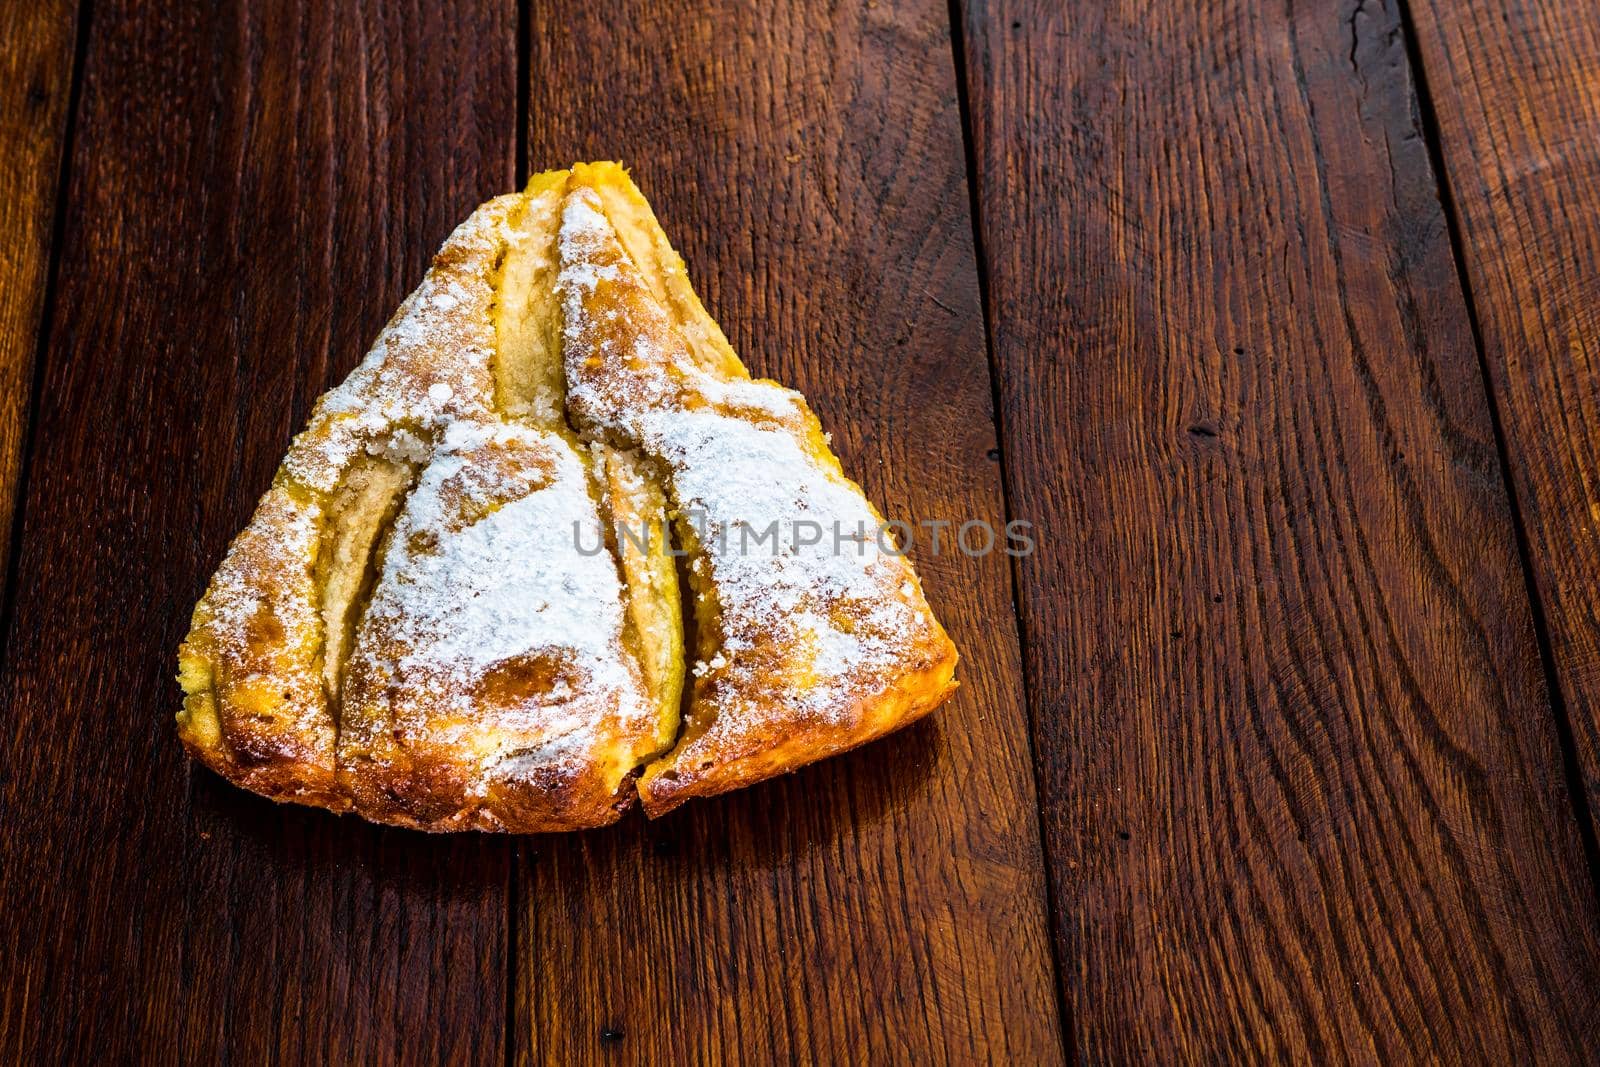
column 1278, row 321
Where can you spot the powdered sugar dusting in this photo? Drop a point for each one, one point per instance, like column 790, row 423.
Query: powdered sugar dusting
column 487, row 631
column 410, row 381
column 490, row 650
column 245, row 609
column 818, row 612
column 484, row 571
column 824, row 587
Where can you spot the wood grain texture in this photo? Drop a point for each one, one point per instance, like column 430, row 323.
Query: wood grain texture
column 1302, row 790
column 1516, row 87
column 886, row 906
column 253, row 190
column 36, row 45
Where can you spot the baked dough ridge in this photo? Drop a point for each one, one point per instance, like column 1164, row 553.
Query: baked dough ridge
column 806, row 650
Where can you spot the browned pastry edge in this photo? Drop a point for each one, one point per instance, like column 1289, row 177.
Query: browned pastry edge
column 426, row 792
column 237, row 730
column 806, row 740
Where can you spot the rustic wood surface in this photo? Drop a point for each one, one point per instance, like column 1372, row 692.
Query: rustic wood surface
column 1516, row 91
column 1275, row 750
column 1302, row 789
column 252, row 191
column 889, row 905
column 36, row 63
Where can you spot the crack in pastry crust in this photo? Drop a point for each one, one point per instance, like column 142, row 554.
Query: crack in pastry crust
column 408, row 628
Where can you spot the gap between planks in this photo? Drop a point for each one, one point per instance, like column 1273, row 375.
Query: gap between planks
column 30, row 376
column 958, row 55
column 1433, row 138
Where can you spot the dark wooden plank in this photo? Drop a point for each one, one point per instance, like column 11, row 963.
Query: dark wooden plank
column 887, row 905
column 36, row 45
column 253, row 190
column 1303, row 792
column 1516, row 86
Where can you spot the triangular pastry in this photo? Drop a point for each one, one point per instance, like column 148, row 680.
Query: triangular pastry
column 459, row 605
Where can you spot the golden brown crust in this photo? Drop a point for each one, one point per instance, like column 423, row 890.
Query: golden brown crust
column 776, row 748
column 254, row 709
column 329, row 665
column 810, row 652
column 409, row 627
column 489, row 683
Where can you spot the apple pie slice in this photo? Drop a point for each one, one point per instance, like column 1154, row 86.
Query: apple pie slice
column 458, row 606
